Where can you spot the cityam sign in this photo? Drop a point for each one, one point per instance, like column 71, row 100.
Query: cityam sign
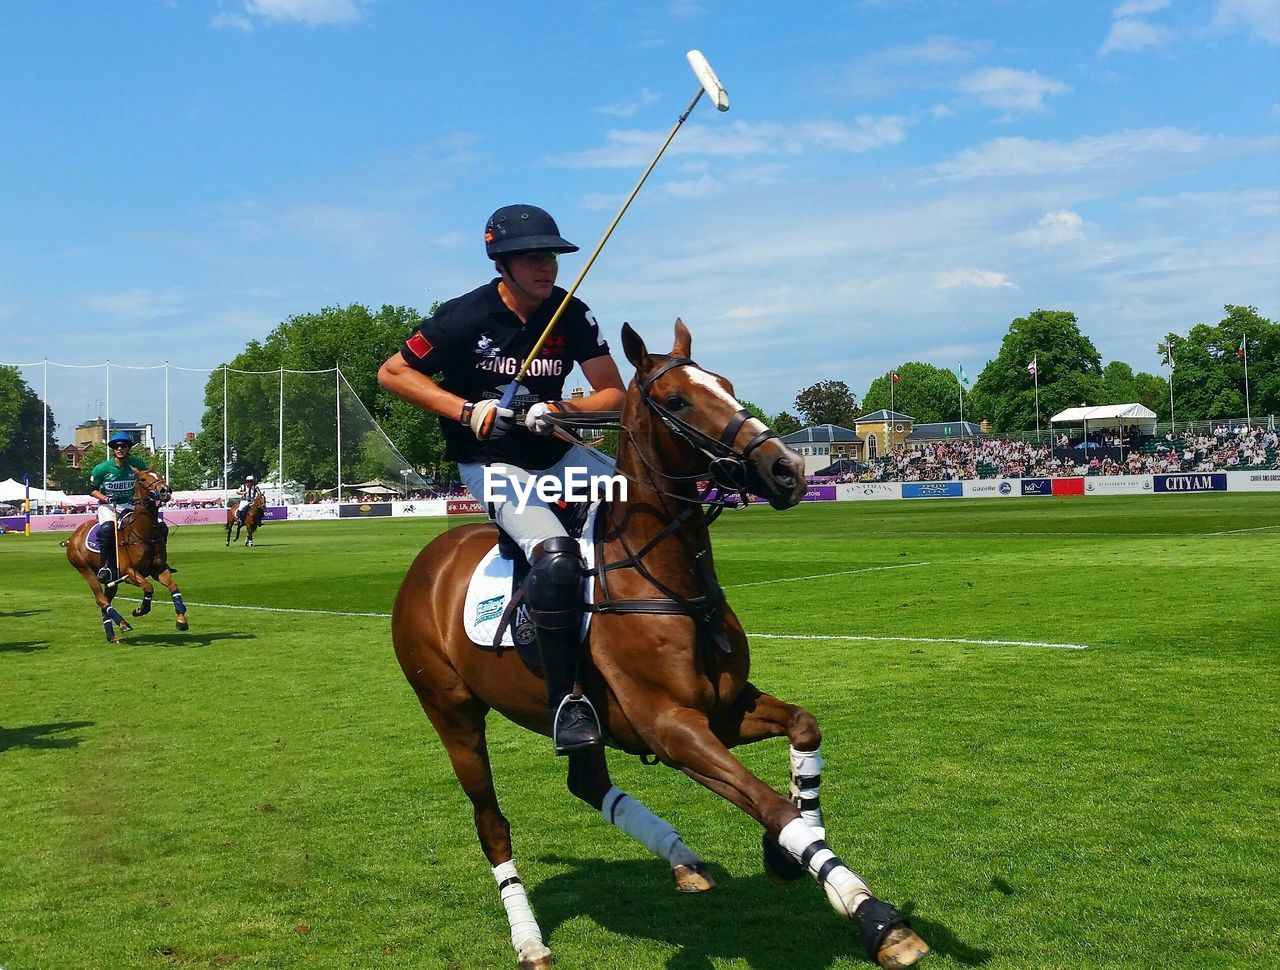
column 1068, row 486
column 932, row 489
column 1205, row 482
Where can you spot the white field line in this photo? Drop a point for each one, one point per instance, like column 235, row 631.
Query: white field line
column 980, row 643
column 751, row 636
column 846, row 572
column 1232, row 532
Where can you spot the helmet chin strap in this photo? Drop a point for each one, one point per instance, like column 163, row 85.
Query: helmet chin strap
column 509, row 278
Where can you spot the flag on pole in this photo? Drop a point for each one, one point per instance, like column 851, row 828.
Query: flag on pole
column 894, row 377
column 1244, row 350
column 961, row 376
column 1031, row 367
column 1168, row 355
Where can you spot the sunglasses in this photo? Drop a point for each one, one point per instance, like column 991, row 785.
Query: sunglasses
column 541, row 257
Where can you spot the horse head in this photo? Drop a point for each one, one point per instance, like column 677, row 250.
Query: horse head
column 695, row 427
column 152, row 488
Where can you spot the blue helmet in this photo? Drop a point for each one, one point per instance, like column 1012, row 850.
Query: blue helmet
column 119, row 438
column 523, row 229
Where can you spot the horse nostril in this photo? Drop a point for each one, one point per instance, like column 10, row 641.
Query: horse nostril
column 784, row 472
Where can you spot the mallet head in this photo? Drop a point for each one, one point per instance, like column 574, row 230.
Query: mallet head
column 707, row 78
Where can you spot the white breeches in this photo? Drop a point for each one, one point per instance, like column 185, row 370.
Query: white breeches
column 112, row 513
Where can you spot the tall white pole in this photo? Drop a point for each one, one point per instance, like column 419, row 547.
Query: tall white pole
column 337, row 411
column 225, row 489
column 45, row 442
column 1248, row 414
column 107, row 430
column 168, row 448
column 1036, row 374
column 280, row 458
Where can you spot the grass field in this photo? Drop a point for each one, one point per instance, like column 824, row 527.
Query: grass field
column 264, row 791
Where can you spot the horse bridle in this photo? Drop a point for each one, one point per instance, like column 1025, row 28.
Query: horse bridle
column 728, row 466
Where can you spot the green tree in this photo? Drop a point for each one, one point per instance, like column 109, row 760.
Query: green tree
column 186, row 472
column 925, row 392
column 22, row 438
column 358, row 340
column 1068, row 366
column 828, row 402
column 784, row 422
column 1208, row 373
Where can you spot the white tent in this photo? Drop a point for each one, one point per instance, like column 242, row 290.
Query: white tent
column 1109, row 416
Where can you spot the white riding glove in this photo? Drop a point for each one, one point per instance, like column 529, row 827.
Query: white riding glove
column 489, row 420
column 536, row 418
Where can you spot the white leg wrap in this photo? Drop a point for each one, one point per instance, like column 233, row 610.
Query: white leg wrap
column 657, row 835
column 844, row 888
column 524, row 927
column 806, row 776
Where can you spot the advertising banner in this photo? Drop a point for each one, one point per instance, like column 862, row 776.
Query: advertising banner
column 815, row 493
column 196, row 516
column 308, row 512
column 992, row 488
column 1264, row 481
column 426, row 506
column 14, row 523
column 1068, row 486
column 463, row 506
column 1118, row 485
column 932, row 489
column 1193, row 482
column 1037, row 486
column 60, row 523
column 867, row 491
column 364, row 510
column 275, row 513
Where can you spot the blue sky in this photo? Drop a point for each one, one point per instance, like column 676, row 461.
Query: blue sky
column 896, row 179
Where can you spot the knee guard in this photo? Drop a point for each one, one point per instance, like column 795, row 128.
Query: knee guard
column 553, row 587
column 107, row 538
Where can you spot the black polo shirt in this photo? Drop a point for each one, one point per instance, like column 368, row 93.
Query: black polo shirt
column 477, row 346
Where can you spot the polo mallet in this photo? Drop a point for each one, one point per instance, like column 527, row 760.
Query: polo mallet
column 115, row 535
column 708, row 83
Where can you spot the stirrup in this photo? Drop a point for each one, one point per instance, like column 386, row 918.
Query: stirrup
column 582, row 731
column 105, row 575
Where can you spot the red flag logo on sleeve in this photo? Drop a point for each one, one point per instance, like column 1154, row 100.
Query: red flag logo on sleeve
column 419, row 345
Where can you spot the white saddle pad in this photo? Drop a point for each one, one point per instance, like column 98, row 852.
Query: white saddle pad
column 489, row 590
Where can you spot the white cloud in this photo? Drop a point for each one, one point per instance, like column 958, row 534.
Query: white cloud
column 231, row 21
column 1055, row 228
column 1011, row 90
column 625, row 109
column 1133, row 7
column 1132, row 153
column 627, row 149
column 313, row 13
column 1133, row 35
column 136, row 304
column 1260, row 16
column 985, row 279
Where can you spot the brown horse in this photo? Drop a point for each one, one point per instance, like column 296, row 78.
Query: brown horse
column 252, row 519
column 671, row 682
column 142, row 551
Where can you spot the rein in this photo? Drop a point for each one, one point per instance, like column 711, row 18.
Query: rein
column 727, row 468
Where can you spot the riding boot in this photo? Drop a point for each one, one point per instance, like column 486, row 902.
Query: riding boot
column 107, row 541
column 553, row 590
column 574, row 726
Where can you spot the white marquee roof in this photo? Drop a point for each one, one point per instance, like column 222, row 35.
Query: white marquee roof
column 1107, row 415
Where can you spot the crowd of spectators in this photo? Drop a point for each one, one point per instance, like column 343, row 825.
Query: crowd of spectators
column 1221, row 449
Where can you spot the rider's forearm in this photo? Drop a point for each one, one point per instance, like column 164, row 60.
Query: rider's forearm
column 418, row 389
column 606, row 399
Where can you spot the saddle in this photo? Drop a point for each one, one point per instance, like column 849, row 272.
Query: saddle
column 495, row 615
column 92, row 541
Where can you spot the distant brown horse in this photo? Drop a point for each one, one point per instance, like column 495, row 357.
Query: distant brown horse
column 143, row 552
column 252, row 519
column 668, row 657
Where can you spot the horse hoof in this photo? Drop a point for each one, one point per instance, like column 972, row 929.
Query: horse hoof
column 901, row 949
column 113, row 639
column 183, row 625
column 691, row 880
column 534, row 955
column 126, row 628
column 137, row 612
column 781, row 869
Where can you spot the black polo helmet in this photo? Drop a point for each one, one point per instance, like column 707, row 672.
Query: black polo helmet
column 523, row 229
column 119, row 438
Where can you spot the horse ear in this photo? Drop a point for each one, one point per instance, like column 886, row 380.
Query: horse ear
column 684, row 340
column 634, row 348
